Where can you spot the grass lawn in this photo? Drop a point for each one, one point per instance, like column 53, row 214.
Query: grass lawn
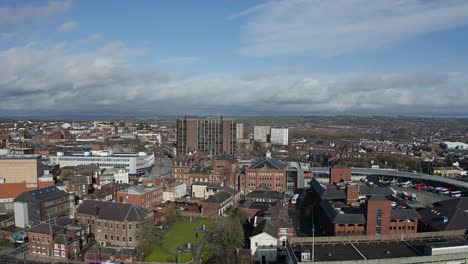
column 180, row 233
column 6, row 244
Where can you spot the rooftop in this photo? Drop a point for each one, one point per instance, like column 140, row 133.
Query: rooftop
column 114, row 211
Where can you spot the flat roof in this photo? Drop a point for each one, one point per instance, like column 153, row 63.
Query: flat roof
column 13, row 157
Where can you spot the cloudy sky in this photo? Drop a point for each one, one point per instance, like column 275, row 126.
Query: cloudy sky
column 366, row 57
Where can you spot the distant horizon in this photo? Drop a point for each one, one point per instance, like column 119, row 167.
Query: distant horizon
column 275, row 57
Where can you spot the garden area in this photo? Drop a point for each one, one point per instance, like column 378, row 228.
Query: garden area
column 180, row 233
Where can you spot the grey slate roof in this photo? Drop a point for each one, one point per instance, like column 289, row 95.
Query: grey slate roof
column 404, row 214
column 114, row 211
column 227, row 158
column 337, row 218
column 45, row 228
column 64, row 239
column 270, row 163
column 218, row 197
column 456, row 210
column 267, row 226
column 40, row 194
column 264, row 194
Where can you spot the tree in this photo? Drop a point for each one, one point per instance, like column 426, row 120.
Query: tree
column 65, row 174
column 225, row 238
column 149, row 232
column 172, row 214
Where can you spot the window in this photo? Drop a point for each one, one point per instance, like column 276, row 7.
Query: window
column 63, row 247
column 130, row 239
column 105, row 224
column 117, row 238
column 123, row 239
column 105, row 236
column 63, row 254
column 136, row 226
column 117, row 226
column 99, row 224
column 56, row 246
column 88, row 221
column 112, row 237
column 378, row 225
column 123, row 226
column 129, row 226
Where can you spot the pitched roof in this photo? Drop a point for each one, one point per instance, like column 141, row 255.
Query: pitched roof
column 227, row 158
column 265, row 194
column 218, row 197
column 45, row 228
column 455, row 210
column 268, row 226
column 64, row 239
column 41, row 194
column 341, row 218
column 270, row 163
column 404, row 214
column 114, row 211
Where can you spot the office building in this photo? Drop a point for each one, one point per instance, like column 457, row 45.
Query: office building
column 212, row 136
column 239, row 131
column 279, row 136
column 135, row 163
column 41, row 205
column 262, row 133
column 21, row 168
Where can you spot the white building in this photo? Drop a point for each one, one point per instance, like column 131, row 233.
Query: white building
column 121, row 177
column 239, row 131
column 174, row 190
column 133, row 162
column 261, row 133
column 263, row 243
column 280, row 136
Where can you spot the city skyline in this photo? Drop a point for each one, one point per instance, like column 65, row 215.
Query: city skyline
column 231, row 58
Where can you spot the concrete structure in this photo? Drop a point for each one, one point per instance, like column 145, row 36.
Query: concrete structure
column 41, row 205
column 21, row 168
column 298, row 176
column 212, row 136
column 239, row 131
column 280, row 136
column 135, row 163
column 262, row 133
column 397, row 174
column 112, row 223
column 146, row 197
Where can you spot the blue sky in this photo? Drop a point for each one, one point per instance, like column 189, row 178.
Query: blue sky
column 405, row 57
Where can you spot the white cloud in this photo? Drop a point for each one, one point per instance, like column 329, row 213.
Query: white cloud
column 17, row 14
column 67, row 26
column 328, row 28
column 50, row 79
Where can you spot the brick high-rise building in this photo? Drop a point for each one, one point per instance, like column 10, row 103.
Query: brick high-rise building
column 214, row 136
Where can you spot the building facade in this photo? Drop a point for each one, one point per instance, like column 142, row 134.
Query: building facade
column 262, row 133
column 146, row 197
column 113, row 224
column 264, row 172
column 135, row 163
column 41, row 205
column 280, row 136
column 21, row 168
column 213, row 136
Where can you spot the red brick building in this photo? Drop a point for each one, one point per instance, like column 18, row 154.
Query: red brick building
column 339, row 173
column 264, row 172
column 141, row 196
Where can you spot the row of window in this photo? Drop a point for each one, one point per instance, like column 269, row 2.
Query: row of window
column 402, row 228
column 111, row 225
column 95, row 159
column 117, row 238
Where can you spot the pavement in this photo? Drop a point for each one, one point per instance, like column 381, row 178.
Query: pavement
column 424, row 198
